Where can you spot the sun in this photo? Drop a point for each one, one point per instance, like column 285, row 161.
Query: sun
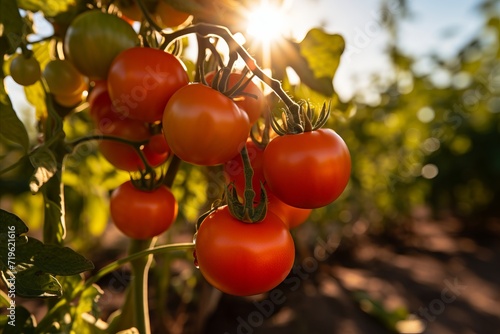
column 266, row 22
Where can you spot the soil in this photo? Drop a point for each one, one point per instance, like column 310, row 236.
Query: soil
column 446, row 277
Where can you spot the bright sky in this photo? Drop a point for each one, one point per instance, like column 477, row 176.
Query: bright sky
column 435, row 26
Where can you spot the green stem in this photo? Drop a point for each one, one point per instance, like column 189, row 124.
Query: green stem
column 139, row 287
column 73, row 144
column 118, row 263
column 53, row 312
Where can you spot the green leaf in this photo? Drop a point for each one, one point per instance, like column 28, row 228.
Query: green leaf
column 11, row 128
column 9, row 222
column 61, row 261
column 45, row 165
column 12, row 26
column 87, row 313
column 30, row 281
column 48, row 7
column 36, row 97
column 322, row 52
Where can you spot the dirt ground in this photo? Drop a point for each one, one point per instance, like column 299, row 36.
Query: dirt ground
column 446, row 278
column 439, row 276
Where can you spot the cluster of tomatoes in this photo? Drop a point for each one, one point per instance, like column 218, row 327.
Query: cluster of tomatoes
column 145, row 109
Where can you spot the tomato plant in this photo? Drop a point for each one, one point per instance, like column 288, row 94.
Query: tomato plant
column 94, row 39
column 207, row 130
column 142, row 80
column 147, row 118
column 141, row 214
column 25, row 70
column 243, row 259
column 307, row 170
column 251, row 99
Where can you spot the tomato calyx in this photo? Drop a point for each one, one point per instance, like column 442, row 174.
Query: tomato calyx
column 220, row 82
column 308, row 121
column 246, row 211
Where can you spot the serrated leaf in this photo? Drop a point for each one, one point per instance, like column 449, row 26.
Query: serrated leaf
column 36, row 97
column 9, row 222
column 61, row 261
column 48, row 7
column 41, row 51
column 11, row 127
column 45, row 164
column 87, row 311
column 322, row 52
column 30, row 282
column 12, row 24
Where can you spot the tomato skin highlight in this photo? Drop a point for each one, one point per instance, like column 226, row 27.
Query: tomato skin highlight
column 204, row 127
column 142, row 80
column 94, row 39
column 243, row 259
column 142, row 214
column 307, row 170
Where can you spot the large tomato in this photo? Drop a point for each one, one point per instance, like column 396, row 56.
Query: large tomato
column 142, row 80
column 25, row 71
column 94, row 39
column 253, row 105
column 243, row 259
column 204, row 127
column 142, row 214
column 307, row 170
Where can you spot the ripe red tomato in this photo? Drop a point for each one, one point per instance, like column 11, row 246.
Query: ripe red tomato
column 204, row 127
column 156, row 150
column 243, row 259
column 25, row 71
column 142, row 214
column 291, row 216
column 94, row 39
column 234, row 172
column 142, row 80
column 101, row 109
column 64, row 79
column 253, row 106
column 108, row 122
column 307, row 170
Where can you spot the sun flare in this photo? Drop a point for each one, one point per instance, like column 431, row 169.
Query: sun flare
column 266, row 22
